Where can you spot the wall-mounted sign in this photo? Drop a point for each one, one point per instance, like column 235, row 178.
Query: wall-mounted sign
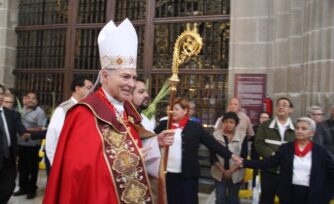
column 250, row 89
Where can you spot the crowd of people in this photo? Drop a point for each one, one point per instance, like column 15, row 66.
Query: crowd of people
column 101, row 148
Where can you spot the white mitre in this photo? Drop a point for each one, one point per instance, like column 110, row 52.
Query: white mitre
column 118, row 45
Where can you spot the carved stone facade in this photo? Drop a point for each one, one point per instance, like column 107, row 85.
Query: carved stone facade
column 290, row 41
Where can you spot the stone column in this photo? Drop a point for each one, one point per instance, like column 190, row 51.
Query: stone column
column 318, row 54
column 251, row 40
column 292, row 42
column 8, row 22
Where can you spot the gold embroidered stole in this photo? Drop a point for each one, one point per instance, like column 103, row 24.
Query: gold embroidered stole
column 126, row 166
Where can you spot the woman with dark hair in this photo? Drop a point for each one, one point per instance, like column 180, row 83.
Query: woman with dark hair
column 228, row 177
column 183, row 163
column 305, row 167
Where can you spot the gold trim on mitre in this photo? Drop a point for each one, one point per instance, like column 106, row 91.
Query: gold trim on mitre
column 118, row 62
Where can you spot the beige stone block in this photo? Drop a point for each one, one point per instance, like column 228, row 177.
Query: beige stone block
column 294, row 79
column 326, row 35
column 251, row 55
column 308, row 79
column 306, row 45
column 3, row 18
column 13, row 5
column 327, row 12
column 264, row 31
column 281, row 26
column 304, row 102
column 281, row 53
column 3, row 36
column 3, row 3
column 331, row 77
column 281, row 6
column 11, row 38
column 297, row 4
column 315, row 16
column 2, row 55
column 296, row 22
column 10, row 57
column 246, row 30
column 2, row 74
column 325, row 76
column 331, row 43
column 315, row 46
column 311, row 17
column 307, row 17
column 9, row 76
column 13, row 18
column 296, row 50
column 249, row 8
column 280, row 80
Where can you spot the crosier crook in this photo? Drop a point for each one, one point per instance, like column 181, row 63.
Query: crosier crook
column 188, row 44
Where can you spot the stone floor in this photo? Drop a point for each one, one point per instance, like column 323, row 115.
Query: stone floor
column 40, row 192
column 203, row 197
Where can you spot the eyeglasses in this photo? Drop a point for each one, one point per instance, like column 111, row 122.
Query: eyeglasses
column 8, row 101
column 317, row 114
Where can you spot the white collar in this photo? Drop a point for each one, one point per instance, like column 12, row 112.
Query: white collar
column 288, row 123
column 74, row 100
column 119, row 106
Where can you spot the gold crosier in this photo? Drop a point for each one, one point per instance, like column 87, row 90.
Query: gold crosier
column 188, row 44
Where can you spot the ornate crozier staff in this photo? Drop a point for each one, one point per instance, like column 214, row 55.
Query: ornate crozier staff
column 188, row 44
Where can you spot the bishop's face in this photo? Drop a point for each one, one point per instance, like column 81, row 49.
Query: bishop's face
column 119, row 83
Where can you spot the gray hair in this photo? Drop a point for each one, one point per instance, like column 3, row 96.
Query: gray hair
column 98, row 81
column 309, row 121
column 311, row 110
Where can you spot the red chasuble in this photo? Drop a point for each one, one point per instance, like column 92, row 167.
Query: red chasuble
column 97, row 158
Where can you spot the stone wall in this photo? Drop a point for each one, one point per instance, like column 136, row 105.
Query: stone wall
column 292, row 42
column 8, row 21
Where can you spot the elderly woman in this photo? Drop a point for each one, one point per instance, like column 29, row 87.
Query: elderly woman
column 183, row 162
column 305, row 167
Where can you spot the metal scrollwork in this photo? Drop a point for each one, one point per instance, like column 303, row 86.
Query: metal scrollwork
column 188, row 44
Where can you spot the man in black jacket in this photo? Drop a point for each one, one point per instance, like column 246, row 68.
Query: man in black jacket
column 324, row 134
column 9, row 126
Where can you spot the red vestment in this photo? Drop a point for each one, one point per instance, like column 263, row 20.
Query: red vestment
column 82, row 171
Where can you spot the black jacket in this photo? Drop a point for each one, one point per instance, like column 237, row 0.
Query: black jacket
column 322, row 171
column 324, row 135
column 192, row 135
column 14, row 125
